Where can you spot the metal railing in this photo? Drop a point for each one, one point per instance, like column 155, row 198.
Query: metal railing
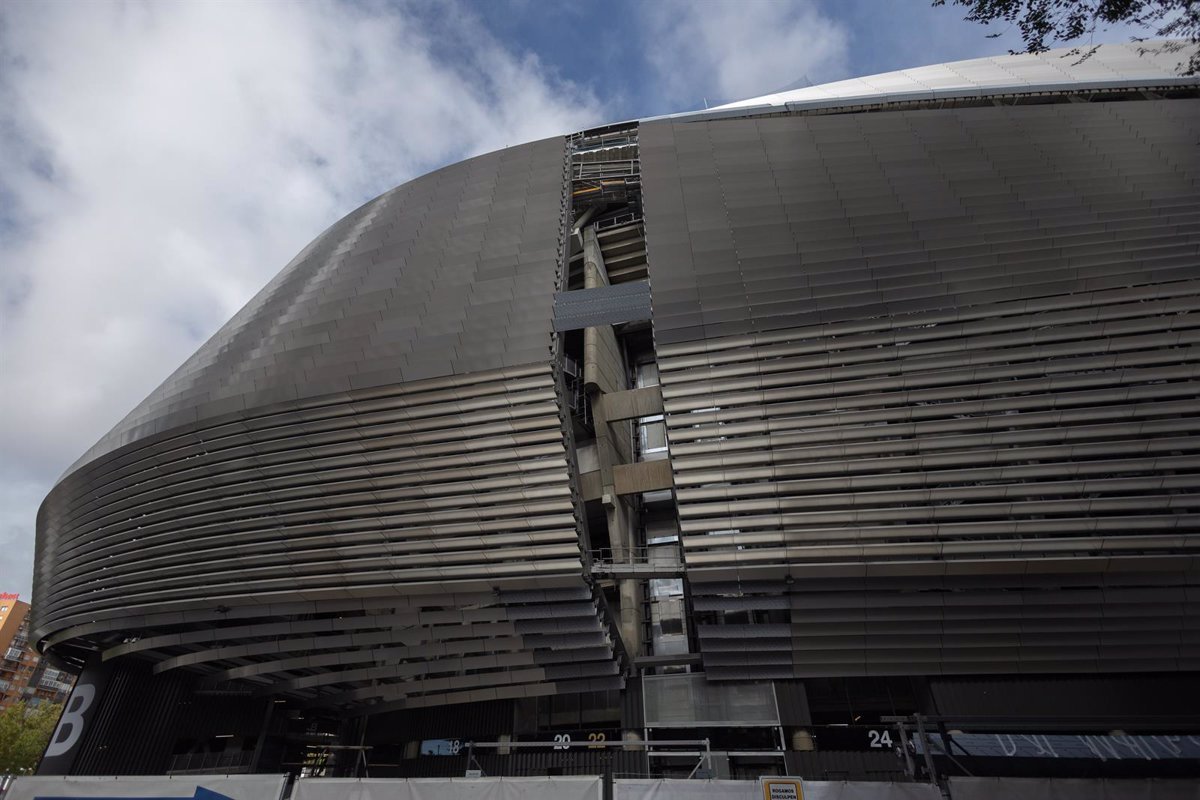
column 703, row 751
column 591, row 170
column 618, row 221
column 577, row 400
column 208, row 762
column 55, row 685
column 581, row 142
column 647, row 562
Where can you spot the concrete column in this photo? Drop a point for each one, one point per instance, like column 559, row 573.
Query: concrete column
column 604, row 372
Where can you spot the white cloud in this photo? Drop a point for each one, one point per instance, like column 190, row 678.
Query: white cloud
column 159, row 163
column 723, row 50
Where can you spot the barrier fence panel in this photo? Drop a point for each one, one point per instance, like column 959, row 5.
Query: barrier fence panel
column 685, row 790
column 556, row 788
column 158, row 787
column 869, row 790
column 1072, row 789
column 753, row 790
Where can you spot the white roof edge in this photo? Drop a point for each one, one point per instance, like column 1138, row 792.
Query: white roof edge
column 1109, row 66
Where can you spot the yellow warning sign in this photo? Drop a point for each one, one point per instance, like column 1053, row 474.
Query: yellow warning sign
column 782, row 789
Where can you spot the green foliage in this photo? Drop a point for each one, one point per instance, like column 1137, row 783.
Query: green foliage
column 24, row 734
column 1046, row 23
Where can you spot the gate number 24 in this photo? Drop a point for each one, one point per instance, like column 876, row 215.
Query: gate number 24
column 881, row 739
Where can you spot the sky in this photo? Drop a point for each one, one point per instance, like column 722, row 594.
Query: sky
column 160, row 162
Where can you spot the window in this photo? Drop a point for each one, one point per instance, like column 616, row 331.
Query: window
column 652, row 435
column 646, row 374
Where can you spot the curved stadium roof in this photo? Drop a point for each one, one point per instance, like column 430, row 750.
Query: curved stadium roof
column 1106, row 66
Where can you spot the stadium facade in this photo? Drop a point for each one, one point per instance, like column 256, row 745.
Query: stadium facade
column 806, row 426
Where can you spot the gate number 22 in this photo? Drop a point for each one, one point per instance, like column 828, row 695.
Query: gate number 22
column 562, row 741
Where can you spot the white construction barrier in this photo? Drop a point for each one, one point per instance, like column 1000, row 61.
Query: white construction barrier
column 754, row 790
column 164, row 787
column 1072, row 789
column 869, row 790
column 651, row 789
column 585, row 787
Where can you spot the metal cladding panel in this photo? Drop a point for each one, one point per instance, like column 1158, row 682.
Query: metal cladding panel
column 132, row 733
column 766, row 224
column 416, row 543
column 604, row 305
column 450, row 273
column 358, row 490
column 930, row 383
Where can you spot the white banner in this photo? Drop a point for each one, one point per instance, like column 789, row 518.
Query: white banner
column 585, row 787
column 753, row 790
column 190, row 787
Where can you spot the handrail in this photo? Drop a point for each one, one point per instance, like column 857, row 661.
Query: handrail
column 636, row 560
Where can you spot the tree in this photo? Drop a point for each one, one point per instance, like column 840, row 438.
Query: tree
column 1046, row 23
column 24, row 734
